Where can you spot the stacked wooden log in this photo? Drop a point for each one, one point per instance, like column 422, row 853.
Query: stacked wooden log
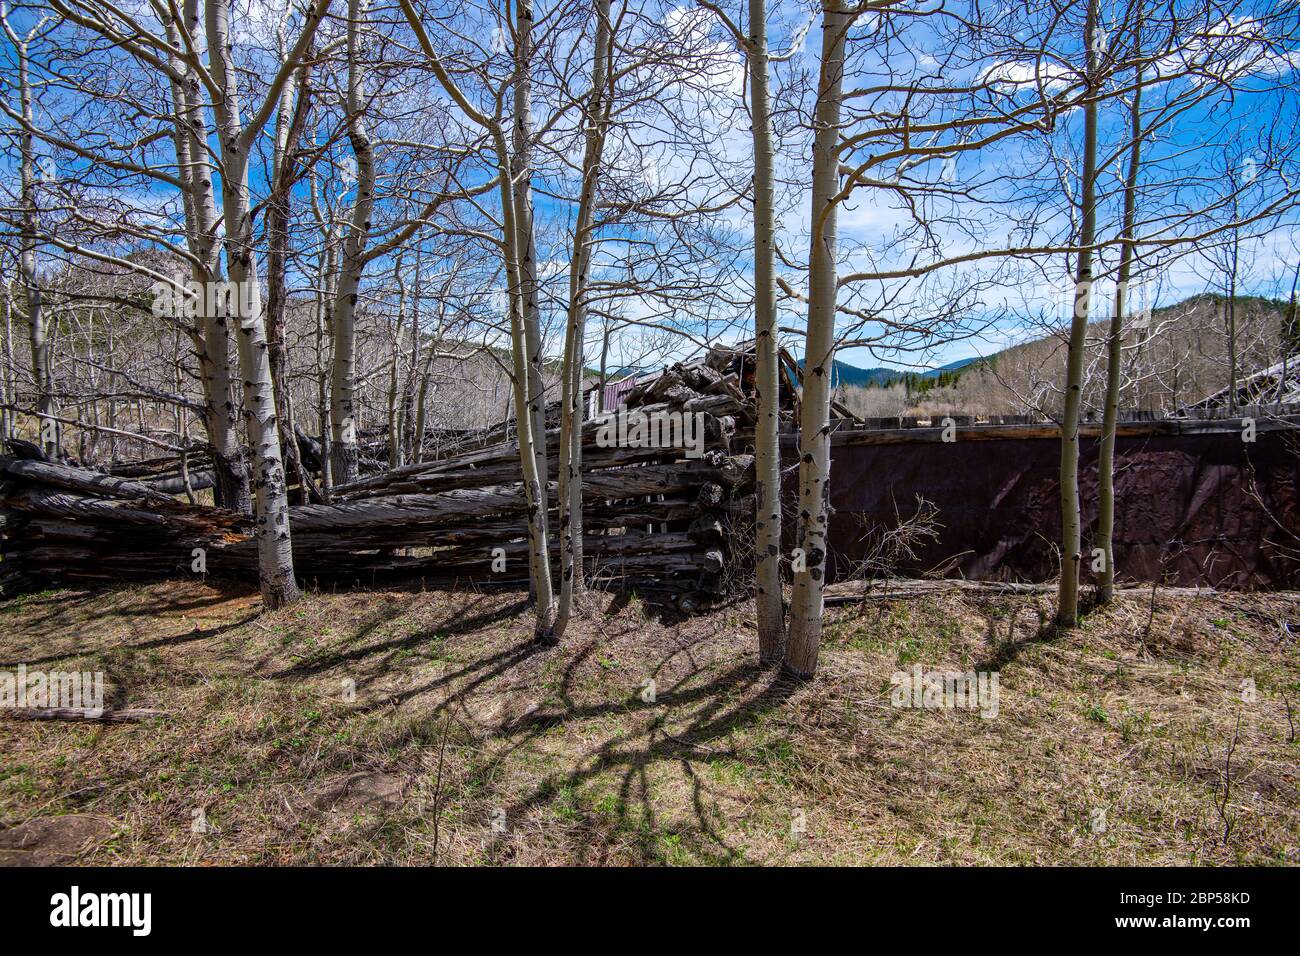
column 64, row 523
column 654, row 517
column 170, row 475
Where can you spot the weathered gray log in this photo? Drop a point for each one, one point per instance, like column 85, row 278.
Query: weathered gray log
column 467, row 529
column 159, row 467
column 886, row 589
column 735, row 470
column 80, row 525
column 125, row 715
column 394, row 510
column 683, row 563
column 191, row 519
column 28, row 451
column 199, row 480
column 507, row 471
column 78, row 479
column 505, row 453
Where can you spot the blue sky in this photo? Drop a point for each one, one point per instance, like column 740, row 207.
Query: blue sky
column 1180, row 173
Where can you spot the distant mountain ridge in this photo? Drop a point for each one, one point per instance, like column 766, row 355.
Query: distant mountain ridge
column 850, row 375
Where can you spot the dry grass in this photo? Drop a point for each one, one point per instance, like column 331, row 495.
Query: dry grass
column 553, row 757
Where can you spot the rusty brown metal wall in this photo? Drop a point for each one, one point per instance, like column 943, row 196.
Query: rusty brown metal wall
column 1192, row 510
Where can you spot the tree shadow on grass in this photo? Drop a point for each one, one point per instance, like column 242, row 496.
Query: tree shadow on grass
column 721, row 705
column 75, row 605
column 459, row 622
column 1004, row 651
column 483, row 670
column 170, row 640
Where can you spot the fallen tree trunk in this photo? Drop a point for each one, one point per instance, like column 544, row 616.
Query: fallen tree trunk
column 125, row 715
column 79, row 479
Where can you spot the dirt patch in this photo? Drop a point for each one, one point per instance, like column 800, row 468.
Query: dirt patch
column 361, row 791
column 53, row 841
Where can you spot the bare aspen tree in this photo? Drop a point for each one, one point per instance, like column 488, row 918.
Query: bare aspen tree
column 235, row 136
column 1115, row 346
column 598, row 105
column 887, row 137
column 1211, row 225
column 343, row 422
column 7, row 429
column 394, row 373
column 325, row 281
column 37, row 321
column 522, row 355
column 410, row 440
column 358, row 251
column 290, row 123
column 190, row 134
column 526, row 232
column 769, row 597
column 1067, row 613
column 819, row 353
column 430, row 355
column 171, row 53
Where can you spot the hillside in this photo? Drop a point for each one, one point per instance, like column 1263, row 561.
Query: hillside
column 1180, row 356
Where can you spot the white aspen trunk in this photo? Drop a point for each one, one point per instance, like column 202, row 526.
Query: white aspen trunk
column 767, row 454
column 526, row 243
column 1067, row 612
column 270, row 499
column 534, row 481
column 1231, row 312
column 221, row 413
column 572, row 584
column 343, row 420
column 819, row 352
column 326, row 372
column 1115, row 356
column 6, row 375
column 411, row 439
column 394, row 424
column 48, row 433
column 422, row 390
column 289, row 121
column 326, row 272
column 344, row 453
column 112, row 403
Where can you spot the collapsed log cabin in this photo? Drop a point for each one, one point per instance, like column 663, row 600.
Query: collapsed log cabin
column 659, row 507
column 677, row 528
